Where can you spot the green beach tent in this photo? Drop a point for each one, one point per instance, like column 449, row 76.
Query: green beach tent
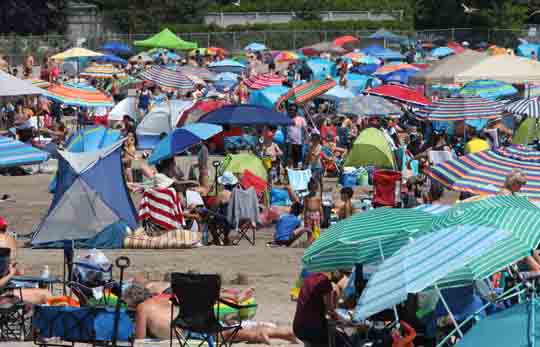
column 371, row 148
column 238, row 163
column 526, row 133
column 166, row 39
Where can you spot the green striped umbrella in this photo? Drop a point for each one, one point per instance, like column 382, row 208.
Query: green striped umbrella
column 360, row 238
column 522, row 221
column 305, row 92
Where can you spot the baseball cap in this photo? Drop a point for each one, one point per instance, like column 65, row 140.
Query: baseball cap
column 3, row 223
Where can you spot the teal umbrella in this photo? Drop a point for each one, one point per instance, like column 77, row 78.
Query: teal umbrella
column 517, row 326
column 488, row 89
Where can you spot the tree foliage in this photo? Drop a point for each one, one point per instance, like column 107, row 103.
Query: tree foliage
column 32, row 17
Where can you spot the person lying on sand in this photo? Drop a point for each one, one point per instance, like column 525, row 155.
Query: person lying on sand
column 153, row 319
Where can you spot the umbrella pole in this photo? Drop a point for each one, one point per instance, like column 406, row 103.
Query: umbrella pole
column 396, row 316
column 452, row 318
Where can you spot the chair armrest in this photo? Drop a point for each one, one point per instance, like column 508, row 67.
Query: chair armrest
column 235, row 305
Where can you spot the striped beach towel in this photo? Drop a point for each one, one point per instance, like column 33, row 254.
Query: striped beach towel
column 162, row 207
column 174, row 239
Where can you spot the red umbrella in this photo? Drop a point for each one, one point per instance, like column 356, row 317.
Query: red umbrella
column 400, row 93
column 199, row 109
column 303, row 93
column 344, row 40
column 262, row 81
column 456, row 47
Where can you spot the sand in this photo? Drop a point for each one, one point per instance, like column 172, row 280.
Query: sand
column 271, row 271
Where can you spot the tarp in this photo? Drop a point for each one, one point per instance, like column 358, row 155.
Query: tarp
column 12, row 86
column 371, row 148
column 91, row 197
column 15, row 153
column 238, row 163
column 161, row 119
column 166, row 39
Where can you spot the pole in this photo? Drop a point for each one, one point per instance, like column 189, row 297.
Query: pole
column 452, row 318
column 396, row 316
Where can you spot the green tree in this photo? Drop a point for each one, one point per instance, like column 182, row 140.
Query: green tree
column 32, row 17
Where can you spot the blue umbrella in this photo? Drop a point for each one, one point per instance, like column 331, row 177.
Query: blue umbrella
column 488, row 89
column 116, row 47
column 225, row 81
column 382, row 53
column 255, row 47
column 246, row 115
column 401, row 76
column 321, row 68
column 92, row 139
column 383, row 34
column 171, row 55
column 267, row 97
column 337, row 94
column 364, row 69
column 369, row 60
column 358, row 83
column 182, row 139
column 227, row 65
column 110, row 58
column 15, row 153
column 440, row 52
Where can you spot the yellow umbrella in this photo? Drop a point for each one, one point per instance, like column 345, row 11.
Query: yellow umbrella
column 76, row 52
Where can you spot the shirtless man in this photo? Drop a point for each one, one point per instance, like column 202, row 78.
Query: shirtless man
column 313, row 210
column 28, row 66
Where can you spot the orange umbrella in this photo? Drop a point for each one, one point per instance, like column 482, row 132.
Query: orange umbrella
column 344, row 40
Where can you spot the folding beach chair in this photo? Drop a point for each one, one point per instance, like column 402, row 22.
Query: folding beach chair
column 298, row 180
column 12, row 309
column 243, row 214
column 196, row 295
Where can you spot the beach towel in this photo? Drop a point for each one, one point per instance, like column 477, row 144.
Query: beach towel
column 243, row 204
column 175, row 239
column 299, row 179
column 162, row 207
column 249, row 180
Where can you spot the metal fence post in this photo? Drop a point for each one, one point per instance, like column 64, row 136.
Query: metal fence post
column 453, row 33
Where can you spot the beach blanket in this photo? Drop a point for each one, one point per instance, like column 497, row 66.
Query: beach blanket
column 175, row 239
column 162, row 207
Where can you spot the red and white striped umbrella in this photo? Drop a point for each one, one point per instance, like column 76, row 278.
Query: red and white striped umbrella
column 262, row 81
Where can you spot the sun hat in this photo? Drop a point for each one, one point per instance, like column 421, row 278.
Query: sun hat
column 227, row 179
column 161, row 181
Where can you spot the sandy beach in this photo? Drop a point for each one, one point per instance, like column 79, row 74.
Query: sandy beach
column 271, row 271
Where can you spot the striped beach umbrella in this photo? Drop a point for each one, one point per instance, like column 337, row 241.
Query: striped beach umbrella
column 102, row 71
column 168, row 78
column 15, row 153
column 400, row 93
column 306, row 92
column 262, row 81
column 364, row 238
column 423, row 262
column 286, row 56
column 462, row 108
column 529, row 107
column 39, row 83
column 369, row 106
column 488, row 89
column 199, row 72
column 485, row 172
column 69, row 95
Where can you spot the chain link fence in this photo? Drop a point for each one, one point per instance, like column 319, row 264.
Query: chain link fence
column 15, row 48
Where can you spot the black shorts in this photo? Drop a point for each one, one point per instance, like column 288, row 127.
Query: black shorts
column 295, row 153
column 286, row 243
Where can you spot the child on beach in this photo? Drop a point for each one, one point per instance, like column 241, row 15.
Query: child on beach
column 346, row 209
column 289, row 227
column 313, row 210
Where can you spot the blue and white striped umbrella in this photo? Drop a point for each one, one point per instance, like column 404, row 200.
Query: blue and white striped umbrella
column 15, row 153
column 168, row 78
column 423, row 262
column 529, row 107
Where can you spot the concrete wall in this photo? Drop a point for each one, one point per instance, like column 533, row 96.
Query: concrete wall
column 224, row 19
column 83, row 21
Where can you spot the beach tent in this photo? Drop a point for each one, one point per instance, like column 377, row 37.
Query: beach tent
column 117, row 47
column 371, row 148
column 161, row 119
column 321, row 68
column 127, row 106
column 15, row 153
column 238, row 163
column 91, row 204
column 268, row 96
column 527, row 50
column 166, row 39
column 12, row 86
column 92, row 139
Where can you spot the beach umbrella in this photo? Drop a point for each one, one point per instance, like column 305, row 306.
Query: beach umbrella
column 338, row 94
column 267, row 97
column 321, row 68
column 488, row 89
column 440, row 52
column 225, row 81
column 92, row 139
column 82, row 97
column 181, row 140
column 262, row 81
column 143, row 57
column 400, row 93
column 167, row 78
column 247, row 115
column 369, row 60
column 358, row 83
column 166, row 39
column 422, row 262
column 456, row 47
column 369, row 106
column 383, row 34
column 286, row 56
column 110, row 58
column 102, row 71
column 127, row 82
column 15, row 153
column 365, row 238
column 382, row 53
column 388, row 68
column 399, row 76
column 199, row 109
column 516, row 326
column 322, row 47
column 529, row 107
column 117, row 47
column 485, row 172
column 76, row 52
column 345, row 40
column 36, row 82
column 227, row 65
column 255, row 47
column 199, row 72
column 462, row 108
column 156, row 52
column 364, row 69
column 306, row 92
column 13, row 86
